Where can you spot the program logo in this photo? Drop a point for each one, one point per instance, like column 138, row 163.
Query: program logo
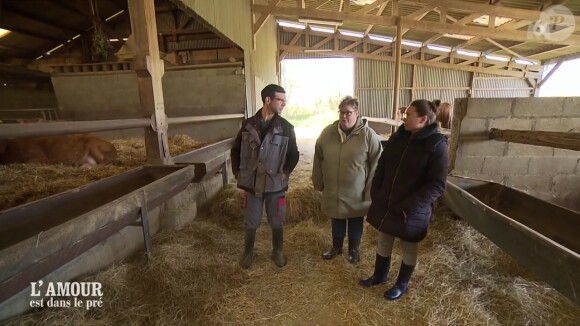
column 556, row 23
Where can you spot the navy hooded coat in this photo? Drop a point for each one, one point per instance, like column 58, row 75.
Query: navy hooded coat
column 410, row 176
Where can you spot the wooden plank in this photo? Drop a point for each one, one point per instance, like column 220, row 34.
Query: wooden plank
column 529, row 244
column 564, row 140
column 397, row 123
column 150, row 69
column 369, row 7
column 70, row 127
column 202, row 155
column 208, row 159
column 397, row 72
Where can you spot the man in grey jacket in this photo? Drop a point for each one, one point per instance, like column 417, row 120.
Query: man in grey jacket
column 263, row 156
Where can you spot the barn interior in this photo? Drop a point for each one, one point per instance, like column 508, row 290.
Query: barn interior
column 168, row 83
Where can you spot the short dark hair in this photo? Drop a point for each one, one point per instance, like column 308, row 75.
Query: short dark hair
column 349, row 100
column 270, row 91
column 425, row 108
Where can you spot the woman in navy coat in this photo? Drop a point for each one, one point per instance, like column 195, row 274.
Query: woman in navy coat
column 410, row 176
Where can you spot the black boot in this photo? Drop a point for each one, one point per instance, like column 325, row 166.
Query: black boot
column 278, row 246
column 402, row 284
column 382, row 266
column 248, row 256
column 353, row 250
column 335, row 250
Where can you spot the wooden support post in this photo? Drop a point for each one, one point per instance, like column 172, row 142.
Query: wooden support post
column 397, row 79
column 564, row 140
column 471, row 84
column 149, row 68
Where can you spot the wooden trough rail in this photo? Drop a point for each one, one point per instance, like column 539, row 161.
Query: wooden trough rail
column 208, row 160
column 564, row 140
column 397, row 123
column 39, row 237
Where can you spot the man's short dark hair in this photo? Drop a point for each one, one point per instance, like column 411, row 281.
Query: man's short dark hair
column 270, row 91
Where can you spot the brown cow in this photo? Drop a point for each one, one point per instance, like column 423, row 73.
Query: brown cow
column 445, row 115
column 77, row 150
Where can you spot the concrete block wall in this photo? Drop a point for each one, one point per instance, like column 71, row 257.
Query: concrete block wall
column 25, row 98
column 186, row 92
column 547, row 173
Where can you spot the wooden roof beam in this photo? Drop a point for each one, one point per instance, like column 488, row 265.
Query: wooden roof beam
column 437, row 27
column 76, row 8
column 513, row 25
column 23, row 71
column 500, row 72
column 317, row 4
column 499, row 11
column 379, row 13
column 467, row 19
column 35, row 34
column 369, row 7
column 28, row 15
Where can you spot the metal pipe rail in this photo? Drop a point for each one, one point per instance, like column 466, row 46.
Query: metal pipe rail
column 204, row 118
column 70, row 127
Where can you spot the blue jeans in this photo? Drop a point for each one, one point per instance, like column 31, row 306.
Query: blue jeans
column 355, row 227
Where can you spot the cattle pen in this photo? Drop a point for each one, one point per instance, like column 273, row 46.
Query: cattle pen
column 118, row 201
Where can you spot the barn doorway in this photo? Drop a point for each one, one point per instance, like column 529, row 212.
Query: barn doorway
column 314, row 88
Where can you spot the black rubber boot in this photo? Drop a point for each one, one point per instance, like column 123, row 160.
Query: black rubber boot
column 278, row 247
column 382, row 266
column 247, row 258
column 335, row 250
column 402, row 284
column 353, row 250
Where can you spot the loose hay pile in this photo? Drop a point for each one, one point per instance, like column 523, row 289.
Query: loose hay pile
column 23, row 183
column 303, row 203
column 194, row 279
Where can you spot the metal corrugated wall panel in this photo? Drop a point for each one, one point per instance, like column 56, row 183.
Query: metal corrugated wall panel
column 445, row 95
column 486, row 85
column 233, row 18
column 374, row 74
column 439, row 77
column 374, row 86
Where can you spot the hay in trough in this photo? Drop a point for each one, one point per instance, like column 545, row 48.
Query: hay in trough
column 23, row 183
column 131, row 152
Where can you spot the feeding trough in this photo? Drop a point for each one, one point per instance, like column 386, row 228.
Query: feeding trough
column 543, row 237
column 39, row 237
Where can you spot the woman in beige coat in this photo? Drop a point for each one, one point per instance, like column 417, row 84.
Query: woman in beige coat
column 345, row 159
